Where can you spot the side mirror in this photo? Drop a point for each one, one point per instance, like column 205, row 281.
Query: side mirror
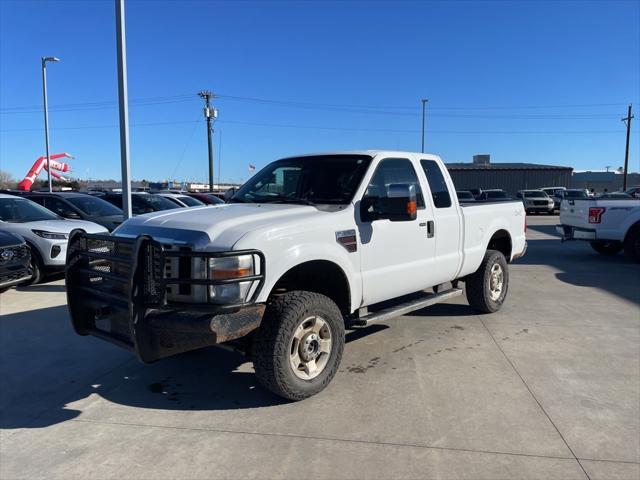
column 400, row 204
column 72, row 215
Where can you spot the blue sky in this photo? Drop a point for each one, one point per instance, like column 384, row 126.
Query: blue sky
column 538, row 81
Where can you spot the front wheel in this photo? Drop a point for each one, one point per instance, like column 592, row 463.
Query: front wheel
column 486, row 289
column 37, row 267
column 606, row 248
column 298, row 347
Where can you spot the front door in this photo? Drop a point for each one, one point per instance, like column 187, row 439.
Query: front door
column 397, row 256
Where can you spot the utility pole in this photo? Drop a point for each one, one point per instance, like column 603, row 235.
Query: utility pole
column 123, row 109
column 210, row 114
column 626, row 120
column 220, row 158
column 424, row 104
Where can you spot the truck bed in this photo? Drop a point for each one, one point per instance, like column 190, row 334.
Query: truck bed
column 480, row 220
column 615, row 218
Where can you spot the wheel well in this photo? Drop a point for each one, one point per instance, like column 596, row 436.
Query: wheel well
column 320, row 276
column 34, row 250
column 501, row 241
column 630, row 229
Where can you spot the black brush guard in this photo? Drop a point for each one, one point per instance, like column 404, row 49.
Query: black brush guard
column 117, row 291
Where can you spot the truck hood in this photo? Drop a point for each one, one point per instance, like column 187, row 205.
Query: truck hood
column 220, row 226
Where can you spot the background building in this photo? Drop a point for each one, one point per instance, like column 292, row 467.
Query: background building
column 481, row 173
column 611, row 180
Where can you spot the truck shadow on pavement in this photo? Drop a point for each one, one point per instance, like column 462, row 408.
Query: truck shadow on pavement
column 581, row 266
column 51, row 375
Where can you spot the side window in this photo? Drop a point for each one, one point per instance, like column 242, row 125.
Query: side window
column 58, row 206
column 437, row 183
column 138, row 206
column 39, row 200
column 390, row 171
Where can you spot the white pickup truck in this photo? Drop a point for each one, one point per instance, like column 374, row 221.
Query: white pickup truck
column 306, row 248
column 609, row 225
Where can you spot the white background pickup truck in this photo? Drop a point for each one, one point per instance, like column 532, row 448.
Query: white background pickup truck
column 609, row 225
column 306, row 248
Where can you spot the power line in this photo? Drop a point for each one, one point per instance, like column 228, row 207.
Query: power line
column 323, row 127
column 406, row 107
column 401, row 110
column 186, row 146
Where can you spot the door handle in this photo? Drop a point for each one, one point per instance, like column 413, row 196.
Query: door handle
column 430, row 229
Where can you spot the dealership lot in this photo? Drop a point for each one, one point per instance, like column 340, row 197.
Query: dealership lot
column 549, row 387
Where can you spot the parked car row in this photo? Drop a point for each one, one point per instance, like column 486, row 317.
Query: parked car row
column 35, row 226
column 490, row 195
column 15, row 260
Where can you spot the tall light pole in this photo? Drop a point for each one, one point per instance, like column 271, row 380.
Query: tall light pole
column 46, row 112
column 123, row 104
column 424, row 105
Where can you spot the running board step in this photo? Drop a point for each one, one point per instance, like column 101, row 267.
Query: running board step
column 403, row 308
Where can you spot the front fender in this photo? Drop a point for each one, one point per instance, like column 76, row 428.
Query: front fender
column 279, row 261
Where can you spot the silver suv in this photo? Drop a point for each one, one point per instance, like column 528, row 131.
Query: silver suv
column 536, row 201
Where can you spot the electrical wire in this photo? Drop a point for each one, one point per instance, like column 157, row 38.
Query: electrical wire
column 323, row 127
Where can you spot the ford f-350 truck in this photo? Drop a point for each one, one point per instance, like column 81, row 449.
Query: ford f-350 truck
column 308, row 247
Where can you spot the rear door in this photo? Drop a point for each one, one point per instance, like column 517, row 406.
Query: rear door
column 448, row 223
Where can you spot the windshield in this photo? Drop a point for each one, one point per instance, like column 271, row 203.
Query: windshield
column 575, row 194
column 158, row 202
column 496, row 194
column 535, row 194
column 213, row 199
column 20, row 210
column 190, row 201
column 330, row 179
column 94, row 206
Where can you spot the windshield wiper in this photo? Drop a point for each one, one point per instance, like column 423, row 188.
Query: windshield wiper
column 286, row 199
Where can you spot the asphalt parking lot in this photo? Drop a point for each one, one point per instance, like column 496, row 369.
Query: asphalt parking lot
column 549, row 387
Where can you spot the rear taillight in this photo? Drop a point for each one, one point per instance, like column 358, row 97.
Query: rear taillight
column 595, row 214
column 525, row 224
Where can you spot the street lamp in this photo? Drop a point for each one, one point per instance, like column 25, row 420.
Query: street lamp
column 46, row 111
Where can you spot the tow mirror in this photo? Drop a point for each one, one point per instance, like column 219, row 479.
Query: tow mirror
column 400, row 204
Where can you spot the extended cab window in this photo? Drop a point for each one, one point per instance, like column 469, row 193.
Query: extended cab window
column 392, row 171
column 437, row 183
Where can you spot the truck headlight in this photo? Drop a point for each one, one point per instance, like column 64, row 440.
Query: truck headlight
column 51, row 235
column 227, row 269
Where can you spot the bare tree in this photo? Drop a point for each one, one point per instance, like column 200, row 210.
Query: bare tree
column 6, row 180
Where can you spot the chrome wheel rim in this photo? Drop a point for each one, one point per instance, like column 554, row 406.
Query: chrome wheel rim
column 310, row 347
column 496, row 282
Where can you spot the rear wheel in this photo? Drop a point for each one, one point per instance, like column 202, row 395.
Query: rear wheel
column 298, row 347
column 632, row 243
column 486, row 289
column 606, row 248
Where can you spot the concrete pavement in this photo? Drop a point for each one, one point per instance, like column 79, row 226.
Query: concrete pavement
column 549, row 387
